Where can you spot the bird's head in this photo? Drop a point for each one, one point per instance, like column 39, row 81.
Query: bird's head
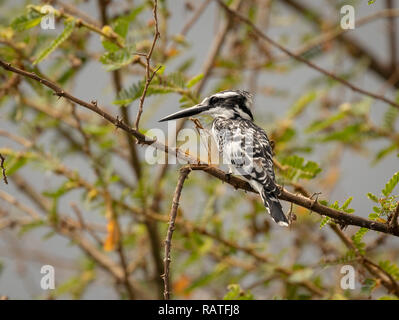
column 230, row 104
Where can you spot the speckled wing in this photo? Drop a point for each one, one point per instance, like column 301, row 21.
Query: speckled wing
column 246, row 147
column 247, row 150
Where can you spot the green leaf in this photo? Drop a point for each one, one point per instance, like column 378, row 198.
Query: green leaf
column 374, row 216
column 321, row 125
column 30, row 226
column 236, row 293
column 207, row 278
column 347, row 203
column 15, row 164
column 300, row 105
column 384, row 152
column 109, row 46
column 130, row 17
column 26, row 21
column 376, row 209
column 372, row 197
column 298, row 168
column 390, row 117
column 115, row 60
column 121, row 27
column 324, row 221
column 388, row 298
column 193, row 81
column 368, row 286
column 62, row 190
column 300, row 275
column 357, row 239
column 68, row 29
column 348, row 134
column 390, row 268
column 131, row 94
column 173, row 82
column 391, row 184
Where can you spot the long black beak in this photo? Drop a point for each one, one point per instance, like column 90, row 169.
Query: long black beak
column 192, row 111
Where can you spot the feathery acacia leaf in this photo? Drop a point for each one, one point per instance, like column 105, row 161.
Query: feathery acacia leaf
column 300, row 105
column 116, row 59
column 298, row 168
column 29, row 20
column 173, row 82
column 391, row 184
column 390, row 268
column 358, row 239
column 68, row 29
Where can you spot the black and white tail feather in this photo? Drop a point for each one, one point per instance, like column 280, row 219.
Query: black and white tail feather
column 273, row 207
column 244, row 146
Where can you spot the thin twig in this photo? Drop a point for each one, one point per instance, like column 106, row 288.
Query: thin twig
column 353, row 46
column 386, row 279
column 172, row 219
column 83, row 225
column 151, row 225
column 391, row 26
column 394, row 223
column 342, row 217
column 216, row 47
column 73, row 10
column 335, row 32
column 194, row 17
column 148, row 75
column 3, row 169
column 261, row 35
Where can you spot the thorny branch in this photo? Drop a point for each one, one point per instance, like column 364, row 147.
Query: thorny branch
column 394, row 222
column 354, row 47
column 172, row 219
column 187, row 226
column 134, row 159
column 3, row 169
column 336, row 32
column 374, row 269
column 148, row 75
column 332, row 75
column 338, row 215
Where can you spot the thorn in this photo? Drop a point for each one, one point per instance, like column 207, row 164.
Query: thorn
column 59, row 94
column 118, row 122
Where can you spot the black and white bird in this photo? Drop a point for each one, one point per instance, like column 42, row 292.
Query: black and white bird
column 244, row 146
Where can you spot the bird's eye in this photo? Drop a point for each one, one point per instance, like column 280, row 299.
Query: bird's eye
column 213, row 100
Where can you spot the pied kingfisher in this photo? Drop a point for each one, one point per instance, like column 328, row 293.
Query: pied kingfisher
column 243, row 144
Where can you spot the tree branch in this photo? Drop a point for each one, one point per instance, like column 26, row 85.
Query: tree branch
column 354, row 48
column 386, row 279
column 394, row 223
column 172, row 219
column 338, row 215
column 3, row 169
column 148, row 75
column 257, row 32
column 391, row 28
